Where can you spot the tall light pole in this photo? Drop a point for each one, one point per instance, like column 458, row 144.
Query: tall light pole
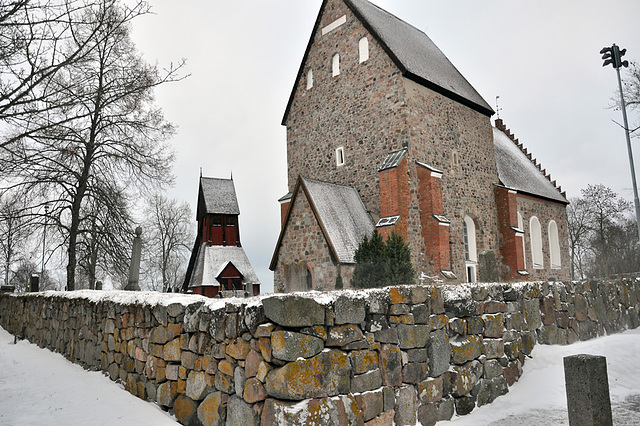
column 613, row 55
column 44, row 240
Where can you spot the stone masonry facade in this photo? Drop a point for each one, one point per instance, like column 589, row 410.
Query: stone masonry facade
column 545, row 212
column 303, row 238
column 371, row 110
column 391, row 356
column 346, row 111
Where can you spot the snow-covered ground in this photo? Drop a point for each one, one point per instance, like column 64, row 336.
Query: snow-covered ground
column 38, row 387
column 539, row 398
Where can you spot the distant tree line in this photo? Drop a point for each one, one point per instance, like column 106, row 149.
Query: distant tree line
column 83, row 147
column 603, row 235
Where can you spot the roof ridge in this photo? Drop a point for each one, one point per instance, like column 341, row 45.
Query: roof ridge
column 503, row 128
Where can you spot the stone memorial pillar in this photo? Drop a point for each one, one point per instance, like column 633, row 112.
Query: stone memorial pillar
column 134, row 267
column 587, row 387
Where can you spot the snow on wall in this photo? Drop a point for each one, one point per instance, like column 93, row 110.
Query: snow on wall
column 399, row 354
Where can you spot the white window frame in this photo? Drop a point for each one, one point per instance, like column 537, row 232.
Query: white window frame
column 554, row 246
column 470, row 248
column 335, row 65
column 363, row 50
column 340, row 156
column 524, row 246
column 535, row 233
column 309, row 79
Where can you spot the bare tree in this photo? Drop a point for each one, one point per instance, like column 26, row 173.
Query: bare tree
column 22, row 276
column 631, row 89
column 167, row 242
column 606, row 209
column 34, row 48
column 579, row 227
column 106, row 234
column 102, row 127
column 16, row 227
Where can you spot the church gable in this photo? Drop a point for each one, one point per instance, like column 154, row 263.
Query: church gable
column 302, row 252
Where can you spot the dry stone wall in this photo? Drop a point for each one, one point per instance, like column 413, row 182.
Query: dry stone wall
column 375, row 357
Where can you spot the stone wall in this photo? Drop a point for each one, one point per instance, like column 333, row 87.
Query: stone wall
column 374, row 357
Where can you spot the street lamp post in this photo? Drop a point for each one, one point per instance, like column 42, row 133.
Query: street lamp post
column 44, row 240
column 613, row 55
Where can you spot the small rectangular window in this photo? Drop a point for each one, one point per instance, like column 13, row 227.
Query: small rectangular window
column 335, row 65
column 340, row 156
column 363, row 49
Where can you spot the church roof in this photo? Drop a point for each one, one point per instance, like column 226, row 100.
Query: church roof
column 417, row 55
column 212, row 260
column 517, row 171
column 217, row 196
column 342, row 216
column 413, row 52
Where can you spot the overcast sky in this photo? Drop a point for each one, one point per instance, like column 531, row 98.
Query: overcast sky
column 541, row 57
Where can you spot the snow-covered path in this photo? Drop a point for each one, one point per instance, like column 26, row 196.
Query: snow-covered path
column 39, row 387
column 539, row 399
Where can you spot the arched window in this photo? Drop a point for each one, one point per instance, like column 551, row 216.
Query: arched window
column 335, row 67
column 309, row 79
column 536, row 243
column 470, row 251
column 363, row 47
column 554, row 245
column 524, row 252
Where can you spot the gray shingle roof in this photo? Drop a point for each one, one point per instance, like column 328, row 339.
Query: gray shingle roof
column 217, row 196
column 517, row 171
column 211, row 261
column 417, row 55
column 342, row 215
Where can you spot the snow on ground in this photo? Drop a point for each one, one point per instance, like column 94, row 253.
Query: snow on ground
column 39, row 387
column 539, row 397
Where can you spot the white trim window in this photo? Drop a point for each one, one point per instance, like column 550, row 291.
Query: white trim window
column 470, row 249
column 363, row 49
column 536, row 243
column 554, row 246
column 335, row 65
column 309, row 79
column 524, row 251
column 340, row 156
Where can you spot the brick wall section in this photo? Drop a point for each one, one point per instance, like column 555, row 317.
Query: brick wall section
column 361, row 110
column 545, row 211
column 435, row 235
column 400, row 354
column 395, row 197
column 510, row 243
column 305, row 247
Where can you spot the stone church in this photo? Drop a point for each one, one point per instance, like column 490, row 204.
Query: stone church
column 383, row 132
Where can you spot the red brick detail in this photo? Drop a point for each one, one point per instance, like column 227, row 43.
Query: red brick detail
column 395, row 197
column 435, row 235
column 284, row 209
column 510, row 244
